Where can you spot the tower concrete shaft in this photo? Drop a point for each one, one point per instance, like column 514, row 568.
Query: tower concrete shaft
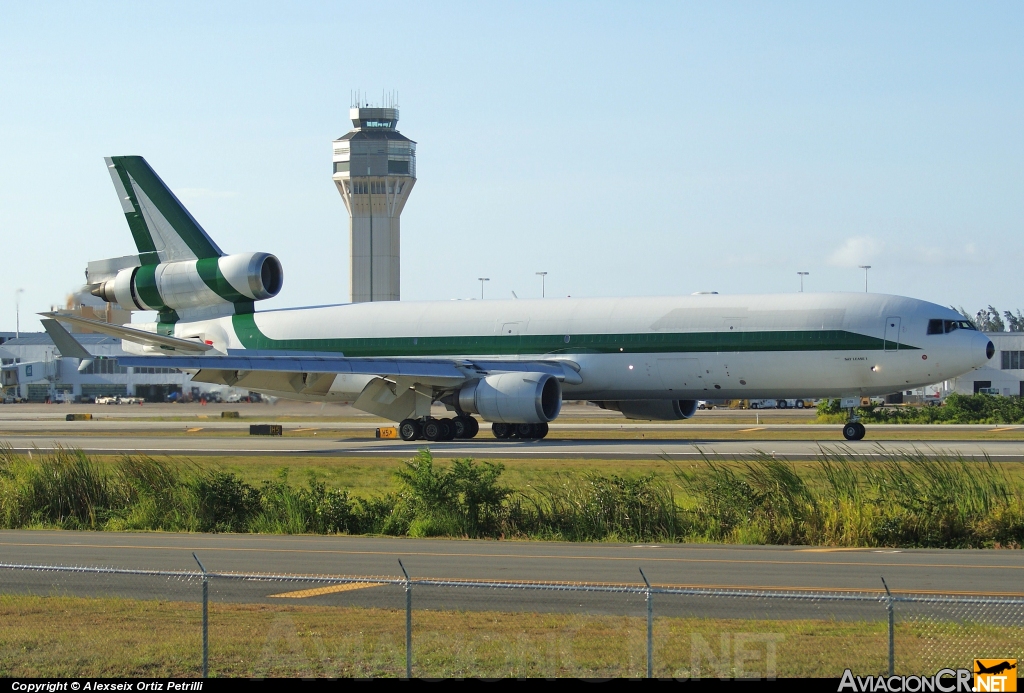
column 374, row 170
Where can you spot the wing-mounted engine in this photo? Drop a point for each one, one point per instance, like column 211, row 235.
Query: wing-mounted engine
column 653, row 409
column 513, row 398
column 187, row 284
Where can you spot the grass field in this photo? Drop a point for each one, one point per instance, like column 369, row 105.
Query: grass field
column 74, row 636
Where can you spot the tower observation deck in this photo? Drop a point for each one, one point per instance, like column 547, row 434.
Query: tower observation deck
column 374, row 170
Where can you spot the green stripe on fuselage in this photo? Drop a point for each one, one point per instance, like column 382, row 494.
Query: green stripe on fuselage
column 251, row 337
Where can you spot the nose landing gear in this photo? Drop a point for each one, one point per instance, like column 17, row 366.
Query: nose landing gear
column 854, row 430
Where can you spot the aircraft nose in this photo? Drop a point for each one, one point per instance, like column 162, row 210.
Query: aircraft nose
column 980, row 345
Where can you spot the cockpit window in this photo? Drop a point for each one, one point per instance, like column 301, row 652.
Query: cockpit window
column 947, row 326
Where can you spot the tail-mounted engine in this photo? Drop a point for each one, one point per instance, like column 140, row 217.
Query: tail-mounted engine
column 194, row 283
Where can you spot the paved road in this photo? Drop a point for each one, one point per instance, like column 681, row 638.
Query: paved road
column 552, row 447
column 762, row 568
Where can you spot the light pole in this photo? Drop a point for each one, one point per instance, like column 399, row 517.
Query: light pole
column 541, row 275
column 802, row 275
column 17, row 312
column 482, row 280
column 865, row 268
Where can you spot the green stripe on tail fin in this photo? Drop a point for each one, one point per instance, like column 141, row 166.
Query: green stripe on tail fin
column 163, row 229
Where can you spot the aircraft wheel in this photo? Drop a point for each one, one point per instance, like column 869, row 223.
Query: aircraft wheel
column 501, row 431
column 861, row 431
column 465, row 426
column 540, row 431
column 458, row 424
column 524, row 431
column 410, row 429
column 853, row 431
column 447, row 429
column 434, row 430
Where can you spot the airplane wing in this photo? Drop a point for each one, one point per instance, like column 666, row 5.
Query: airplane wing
column 132, row 334
column 442, row 371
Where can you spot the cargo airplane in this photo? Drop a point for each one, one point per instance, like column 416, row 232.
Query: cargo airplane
column 509, row 362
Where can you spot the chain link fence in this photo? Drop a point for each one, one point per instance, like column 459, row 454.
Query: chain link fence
column 92, row 621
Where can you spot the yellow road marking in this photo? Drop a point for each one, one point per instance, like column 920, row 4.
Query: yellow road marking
column 750, row 430
column 441, row 554
column 1006, row 428
column 835, row 549
column 193, row 430
column 317, row 591
column 303, row 430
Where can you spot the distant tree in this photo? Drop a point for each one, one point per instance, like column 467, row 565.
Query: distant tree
column 990, row 321
column 1015, row 322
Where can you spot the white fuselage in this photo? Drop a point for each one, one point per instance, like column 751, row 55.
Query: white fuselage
column 688, row 347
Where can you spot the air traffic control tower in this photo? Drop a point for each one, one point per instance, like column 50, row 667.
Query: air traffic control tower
column 374, row 169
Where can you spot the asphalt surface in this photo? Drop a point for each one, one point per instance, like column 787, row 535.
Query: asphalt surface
column 551, row 447
column 822, row 572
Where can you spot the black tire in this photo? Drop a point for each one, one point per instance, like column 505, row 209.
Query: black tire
column 540, row 431
column 410, row 429
column 851, row 431
column 501, row 431
column 433, row 430
column 524, row 431
column 782, row 404
column 459, row 425
column 449, row 429
column 799, row 404
column 472, row 427
column 861, row 431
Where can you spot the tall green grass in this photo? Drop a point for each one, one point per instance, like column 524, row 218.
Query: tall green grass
column 898, row 499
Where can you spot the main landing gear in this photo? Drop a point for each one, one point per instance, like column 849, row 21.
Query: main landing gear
column 854, row 430
column 434, row 430
column 523, row 431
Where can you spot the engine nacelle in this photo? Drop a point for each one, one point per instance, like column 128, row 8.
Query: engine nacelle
column 195, row 283
column 513, row 398
column 653, row 409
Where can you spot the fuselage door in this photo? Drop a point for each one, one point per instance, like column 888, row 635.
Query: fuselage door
column 892, row 334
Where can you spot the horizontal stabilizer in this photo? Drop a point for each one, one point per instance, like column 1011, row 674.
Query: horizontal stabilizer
column 67, row 345
column 131, row 334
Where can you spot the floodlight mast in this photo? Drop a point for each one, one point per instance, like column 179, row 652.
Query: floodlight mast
column 802, row 275
column 865, row 268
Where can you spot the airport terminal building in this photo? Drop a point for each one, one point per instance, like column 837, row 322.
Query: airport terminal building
column 34, row 370
column 1004, row 374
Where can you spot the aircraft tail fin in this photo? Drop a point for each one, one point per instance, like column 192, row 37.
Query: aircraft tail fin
column 163, row 229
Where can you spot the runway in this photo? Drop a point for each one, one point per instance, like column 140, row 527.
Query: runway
column 786, row 569
column 648, row 448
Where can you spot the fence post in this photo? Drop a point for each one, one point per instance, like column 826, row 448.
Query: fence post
column 206, row 618
column 650, row 627
column 892, row 630
column 408, row 621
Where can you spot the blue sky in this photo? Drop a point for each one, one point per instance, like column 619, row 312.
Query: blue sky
column 625, row 148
